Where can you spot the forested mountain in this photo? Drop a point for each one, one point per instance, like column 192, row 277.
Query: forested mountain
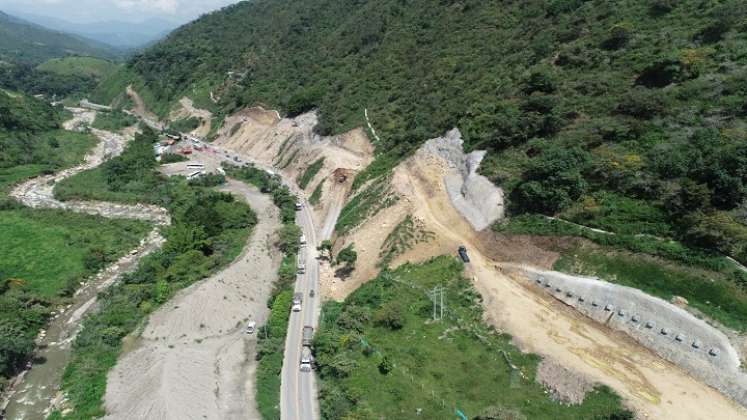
column 36, row 60
column 115, row 33
column 25, row 42
column 625, row 115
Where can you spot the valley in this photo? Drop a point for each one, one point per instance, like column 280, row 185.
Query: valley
column 336, row 210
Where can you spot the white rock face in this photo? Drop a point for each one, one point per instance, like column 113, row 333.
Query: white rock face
column 473, row 195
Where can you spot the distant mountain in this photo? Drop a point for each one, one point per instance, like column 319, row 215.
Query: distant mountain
column 22, row 41
column 124, row 35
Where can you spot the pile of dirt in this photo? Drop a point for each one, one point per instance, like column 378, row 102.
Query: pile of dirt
column 563, row 384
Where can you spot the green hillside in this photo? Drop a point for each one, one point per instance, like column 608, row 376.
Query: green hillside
column 84, row 66
column 26, row 42
column 36, row 60
column 609, row 113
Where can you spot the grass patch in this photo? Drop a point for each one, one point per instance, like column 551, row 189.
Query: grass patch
column 281, row 151
column 316, row 196
column 667, row 249
column 167, row 158
column 185, row 125
column 79, row 66
column 457, row 363
column 113, row 121
column 619, row 214
column 365, row 204
column 51, row 250
column 310, row 173
column 715, row 294
column 290, row 159
column 51, row 152
column 405, row 235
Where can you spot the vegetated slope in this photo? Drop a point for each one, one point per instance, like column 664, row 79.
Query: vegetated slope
column 85, row 66
column 44, row 254
column 26, row 42
column 24, row 46
column 622, row 114
column 457, row 363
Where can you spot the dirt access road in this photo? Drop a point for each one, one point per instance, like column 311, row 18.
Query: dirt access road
column 193, row 359
column 36, row 391
column 539, row 324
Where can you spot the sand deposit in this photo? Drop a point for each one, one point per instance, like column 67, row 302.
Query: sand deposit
column 193, row 359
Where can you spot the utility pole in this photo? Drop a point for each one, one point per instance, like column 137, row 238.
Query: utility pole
column 437, row 296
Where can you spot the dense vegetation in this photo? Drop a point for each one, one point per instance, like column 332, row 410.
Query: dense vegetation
column 208, row 231
column 457, row 363
column 44, row 254
column 272, row 336
column 114, row 120
column 129, row 177
column 583, row 104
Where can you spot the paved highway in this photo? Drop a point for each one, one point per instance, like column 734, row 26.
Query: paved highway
column 298, row 393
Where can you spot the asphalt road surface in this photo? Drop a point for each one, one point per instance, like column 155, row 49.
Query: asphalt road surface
column 298, row 393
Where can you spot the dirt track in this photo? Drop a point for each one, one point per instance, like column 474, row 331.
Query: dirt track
column 655, row 388
column 193, row 360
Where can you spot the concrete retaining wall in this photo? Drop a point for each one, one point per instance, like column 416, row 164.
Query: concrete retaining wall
column 670, row 331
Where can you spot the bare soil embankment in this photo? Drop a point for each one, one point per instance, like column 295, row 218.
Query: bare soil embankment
column 436, row 187
column 291, row 146
column 652, row 386
column 188, row 110
column 193, row 359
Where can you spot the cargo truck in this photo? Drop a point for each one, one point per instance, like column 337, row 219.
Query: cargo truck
column 308, row 335
column 306, row 359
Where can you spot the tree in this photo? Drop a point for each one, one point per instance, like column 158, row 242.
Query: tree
column 618, row 37
column 288, row 239
column 390, row 316
column 348, row 256
column 385, row 366
column 325, row 249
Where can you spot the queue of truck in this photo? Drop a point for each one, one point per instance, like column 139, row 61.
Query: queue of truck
column 307, row 358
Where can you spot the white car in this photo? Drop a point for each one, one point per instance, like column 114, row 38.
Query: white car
column 251, row 327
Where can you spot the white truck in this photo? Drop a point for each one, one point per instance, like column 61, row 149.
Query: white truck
column 301, row 265
column 308, row 335
column 297, row 299
column 306, row 359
